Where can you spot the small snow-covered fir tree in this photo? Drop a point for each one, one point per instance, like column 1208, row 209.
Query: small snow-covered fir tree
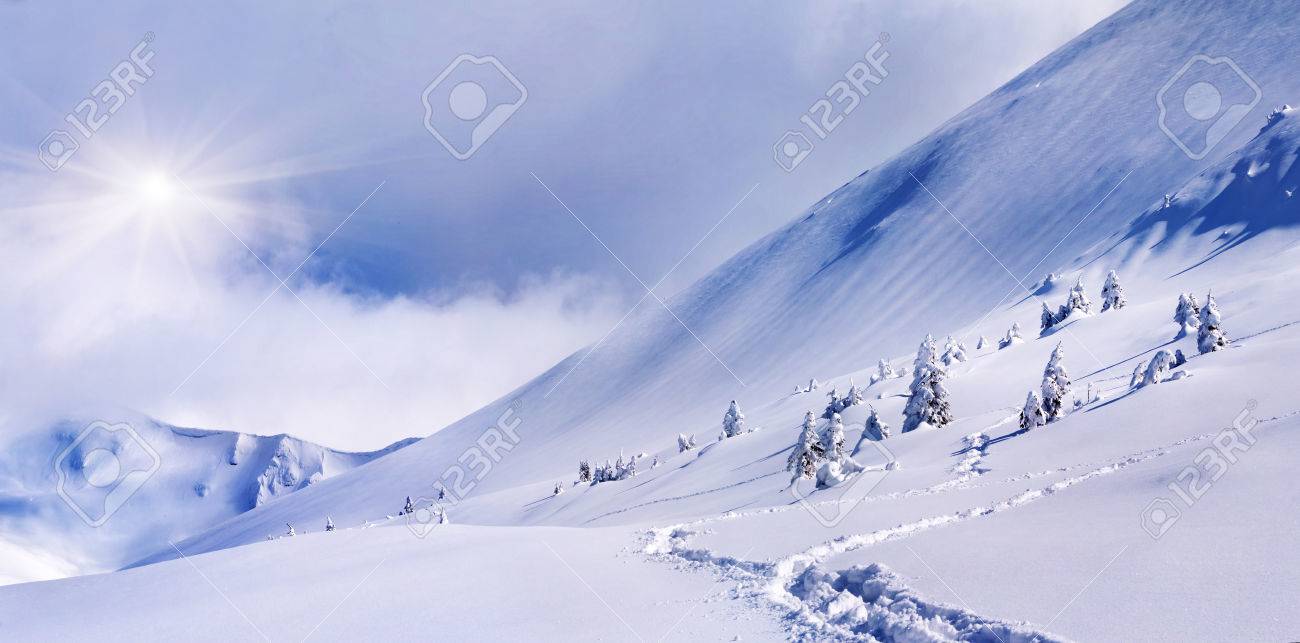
column 1031, row 415
column 832, row 439
column 1158, row 368
column 1056, row 385
column 584, row 471
column 329, row 524
column 442, row 517
column 1077, row 302
column 874, row 426
column 982, row 343
column 654, row 464
column 807, row 451
column 559, row 489
column 1013, row 337
column 1187, row 314
column 1047, row 318
column 853, row 397
column 630, row 469
column 834, row 405
column 1112, row 294
column 408, row 508
column 1136, row 378
column 953, row 352
column 442, row 492
column 684, row 443
column 884, row 371
column 619, row 468
column 291, row 532
column 1210, row 337
column 928, row 402
column 1276, row 115
column 813, row 385
column 733, row 421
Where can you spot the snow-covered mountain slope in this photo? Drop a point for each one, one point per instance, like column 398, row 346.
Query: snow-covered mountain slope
column 1146, row 512
column 1030, row 177
column 200, row 478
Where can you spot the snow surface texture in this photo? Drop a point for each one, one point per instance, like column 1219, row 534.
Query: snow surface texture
column 974, row 531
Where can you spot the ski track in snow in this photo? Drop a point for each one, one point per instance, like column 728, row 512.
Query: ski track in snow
column 868, row 603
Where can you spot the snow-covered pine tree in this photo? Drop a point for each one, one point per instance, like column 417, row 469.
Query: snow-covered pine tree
column 619, row 468
column 1276, row 115
column 1031, row 415
column 1210, row 337
column 654, row 464
column 832, row 439
column 1158, row 368
column 1112, row 294
column 291, row 532
column 953, row 352
column 982, row 343
column 584, row 471
column 408, row 508
column 834, row 405
column 1047, row 318
column 442, row 492
column 813, row 385
column 874, row 426
column 1056, row 385
column 629, row 471
column 853, row 397
column 1187, row 314
column 1135, row 379
column 807, row 451
column 329, row 524
column 884, row 371
column 684, row 443
column 442, row 517
column 928, row 402
column 1076, row 302
column 559, row 489
column 733, row 421
column 1013, row 336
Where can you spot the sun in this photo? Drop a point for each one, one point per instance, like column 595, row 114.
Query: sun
column 155, row 189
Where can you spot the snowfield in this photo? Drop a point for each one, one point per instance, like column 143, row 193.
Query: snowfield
column 1163, row 511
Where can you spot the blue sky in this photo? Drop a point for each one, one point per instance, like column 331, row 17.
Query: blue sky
column 650, row 121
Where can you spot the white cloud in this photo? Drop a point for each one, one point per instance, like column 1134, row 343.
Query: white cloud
column 107, row 305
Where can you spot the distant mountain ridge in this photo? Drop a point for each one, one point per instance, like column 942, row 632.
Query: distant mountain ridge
column 202, row 478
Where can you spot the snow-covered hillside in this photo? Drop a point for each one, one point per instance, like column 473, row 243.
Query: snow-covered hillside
column 1157, row 511
column 200, row 478
column 1030, row 178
